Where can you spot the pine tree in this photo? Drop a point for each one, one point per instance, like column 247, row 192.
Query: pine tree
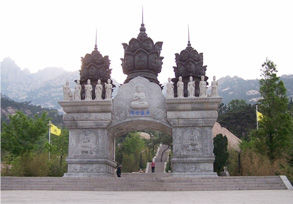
column 275, row 129
column 221, row 152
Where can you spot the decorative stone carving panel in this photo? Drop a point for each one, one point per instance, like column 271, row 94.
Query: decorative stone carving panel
column 155, row 101
column 187, row 142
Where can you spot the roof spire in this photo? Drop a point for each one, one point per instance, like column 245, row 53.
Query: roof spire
column 142, row 15
column 142, row 28
column 188, row 44
column 96, row 47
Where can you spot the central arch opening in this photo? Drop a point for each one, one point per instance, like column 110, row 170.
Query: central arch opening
column 141, row 143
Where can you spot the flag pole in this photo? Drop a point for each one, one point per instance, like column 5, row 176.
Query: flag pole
column 49, row 137
column 256, row 110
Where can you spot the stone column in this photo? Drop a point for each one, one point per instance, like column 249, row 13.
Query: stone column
column 192, row 120
column 91, row 148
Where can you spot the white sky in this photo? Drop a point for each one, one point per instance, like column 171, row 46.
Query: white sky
column 234, row 36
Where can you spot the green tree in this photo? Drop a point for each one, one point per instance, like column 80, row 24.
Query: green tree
column 238, row 117
column 58, row 149
column 275, row 129
column 157, row 138
column 221, row 152
column 131, row 152
column 23, row 134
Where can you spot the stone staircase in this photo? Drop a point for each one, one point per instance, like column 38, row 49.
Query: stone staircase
column 160, row 164
column 144, row 182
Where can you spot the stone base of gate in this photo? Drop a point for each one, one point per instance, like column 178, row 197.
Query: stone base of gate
column 90, row 167
column 192, row 120
column 193, row 167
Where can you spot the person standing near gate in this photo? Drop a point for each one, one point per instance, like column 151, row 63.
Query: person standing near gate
column 118, row 171
column 153, row 166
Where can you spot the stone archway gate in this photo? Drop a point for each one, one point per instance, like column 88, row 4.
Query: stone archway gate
column 94, row 124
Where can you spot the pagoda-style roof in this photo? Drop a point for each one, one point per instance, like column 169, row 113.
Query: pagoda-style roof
column 95, row 66
column 189, row 63
column 142, row 57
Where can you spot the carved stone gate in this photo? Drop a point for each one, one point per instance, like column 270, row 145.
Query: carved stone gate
column 140, row 105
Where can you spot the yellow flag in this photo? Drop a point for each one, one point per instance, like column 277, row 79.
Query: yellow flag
column 259, row 116
column 55, row 130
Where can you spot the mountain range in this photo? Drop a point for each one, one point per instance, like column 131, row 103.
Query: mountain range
column 45, row 86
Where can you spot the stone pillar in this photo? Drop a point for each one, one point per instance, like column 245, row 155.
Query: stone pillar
column 91, row 148
column 192, row 120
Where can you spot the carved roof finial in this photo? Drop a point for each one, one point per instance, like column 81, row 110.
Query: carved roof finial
column 96, row 47
column 188, row 44
column 142, row 28
column 142, row 15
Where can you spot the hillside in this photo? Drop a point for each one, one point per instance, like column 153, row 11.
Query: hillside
column 45, row 87
column 42, row 88
column 9, row 107
column 237, row 88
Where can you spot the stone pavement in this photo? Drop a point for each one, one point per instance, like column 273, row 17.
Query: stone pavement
column 139, row 197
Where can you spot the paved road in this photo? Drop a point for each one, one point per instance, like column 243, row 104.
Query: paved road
column 199, row 197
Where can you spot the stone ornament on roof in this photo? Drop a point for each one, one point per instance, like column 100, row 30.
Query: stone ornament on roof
column 214, row 90
column 142, row 57
column 170, row 89
column 189, row 63
column 67, row 94
column 98, row 90
column 202, row 87
column 77, row 91
column 108, row 88
column 94, row 66
column 180, row 87
column 191, row 87
column 88, row 90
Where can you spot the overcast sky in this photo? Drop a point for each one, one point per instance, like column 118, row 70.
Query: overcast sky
column 234, row 36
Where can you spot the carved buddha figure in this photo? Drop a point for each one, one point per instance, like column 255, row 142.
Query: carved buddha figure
column 139, row 99
column 67, row 92
column 88, row 90
column 191, row 87
column 170, row 89
column 99, row 90
column 108, row 88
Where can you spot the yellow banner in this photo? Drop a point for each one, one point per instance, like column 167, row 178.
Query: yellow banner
column 55, row 130
column 259, row 116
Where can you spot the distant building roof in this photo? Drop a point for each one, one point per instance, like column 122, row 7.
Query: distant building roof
column 233, row 141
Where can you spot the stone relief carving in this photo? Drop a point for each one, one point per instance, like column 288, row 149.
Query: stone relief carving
column 170, row 89
column 88, row 90
column 77, row 91
column 139, row 99
column 214, row 91
column 180, row 87
column 187, row 142
column 67, row 95
column 202, row 87
column 191, row 87
column 98, row 90
column 83, row 143
column 108, row 88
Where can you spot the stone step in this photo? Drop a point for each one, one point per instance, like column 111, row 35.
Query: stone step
column 143, row 183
